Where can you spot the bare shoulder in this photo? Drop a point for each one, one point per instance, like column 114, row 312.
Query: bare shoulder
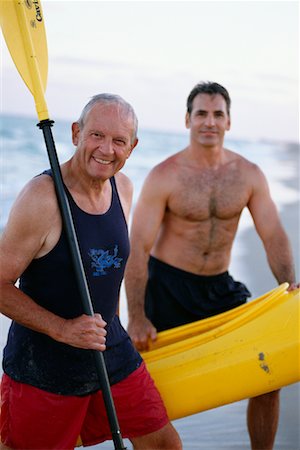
column 36, row 205
column 161, row 181
column 166, row 172
column 33, row 225
column 169, row 165
column 39, row 196
column 248, row 168
column 124, row 184
column 41, row 185
column 125, row 191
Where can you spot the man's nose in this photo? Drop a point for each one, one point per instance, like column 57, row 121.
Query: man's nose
column 210, row 120
column 106, row 146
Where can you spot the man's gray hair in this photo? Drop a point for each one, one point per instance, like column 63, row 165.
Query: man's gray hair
column 109, row 99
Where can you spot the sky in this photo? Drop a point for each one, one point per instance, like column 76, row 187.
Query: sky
column 153, row 52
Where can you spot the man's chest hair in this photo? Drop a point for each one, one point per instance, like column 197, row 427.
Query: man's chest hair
column 209, row 193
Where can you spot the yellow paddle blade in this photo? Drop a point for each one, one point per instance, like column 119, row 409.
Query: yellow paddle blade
column 23, row 29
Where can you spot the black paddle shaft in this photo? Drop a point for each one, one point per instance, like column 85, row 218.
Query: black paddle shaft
column 45, row 126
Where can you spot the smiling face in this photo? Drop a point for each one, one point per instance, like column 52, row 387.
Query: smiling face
column 105, row 140
column 208, row 120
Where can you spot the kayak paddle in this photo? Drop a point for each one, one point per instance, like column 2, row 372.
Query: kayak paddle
column 23, row 28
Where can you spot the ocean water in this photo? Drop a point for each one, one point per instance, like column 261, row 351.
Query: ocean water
column 23, row 155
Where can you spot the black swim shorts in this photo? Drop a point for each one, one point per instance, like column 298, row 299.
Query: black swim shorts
column 175, row 297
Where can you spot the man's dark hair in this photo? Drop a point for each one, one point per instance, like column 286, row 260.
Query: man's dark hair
column 210, row 88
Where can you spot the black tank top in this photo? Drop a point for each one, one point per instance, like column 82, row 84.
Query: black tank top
column 35, row 358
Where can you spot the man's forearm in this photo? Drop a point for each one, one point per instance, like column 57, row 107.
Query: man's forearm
column 135, row 284
column 22, row 309
column 280, row 258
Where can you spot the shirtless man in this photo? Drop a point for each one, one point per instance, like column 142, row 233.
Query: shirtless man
column 182, row 233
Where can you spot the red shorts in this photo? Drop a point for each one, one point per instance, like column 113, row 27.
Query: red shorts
column 34, row 419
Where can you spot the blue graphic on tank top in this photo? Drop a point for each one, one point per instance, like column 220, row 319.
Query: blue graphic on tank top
column 101, row 260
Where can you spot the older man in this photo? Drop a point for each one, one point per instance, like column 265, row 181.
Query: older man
column 50, row 388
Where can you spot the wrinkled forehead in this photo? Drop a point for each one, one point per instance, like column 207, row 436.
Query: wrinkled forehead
column 111, row 110
column 112, row 117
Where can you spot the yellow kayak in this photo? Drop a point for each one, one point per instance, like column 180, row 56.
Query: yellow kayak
column 248, row 351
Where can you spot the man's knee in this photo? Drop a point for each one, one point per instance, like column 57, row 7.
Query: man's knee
column 165, row 439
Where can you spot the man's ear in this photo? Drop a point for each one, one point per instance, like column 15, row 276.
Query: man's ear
column 228, row 124
column 132, row 147
column 75, row 133
column 187, row 120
